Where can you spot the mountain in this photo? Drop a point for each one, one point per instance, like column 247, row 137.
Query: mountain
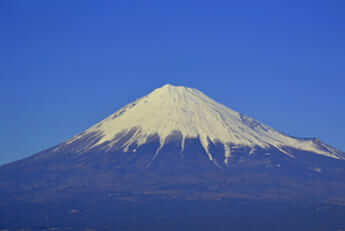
column 182, row 135
column 183, row 113
column 173, row 144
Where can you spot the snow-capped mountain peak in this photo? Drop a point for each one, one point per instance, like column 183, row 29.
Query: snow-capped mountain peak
column 188, row 111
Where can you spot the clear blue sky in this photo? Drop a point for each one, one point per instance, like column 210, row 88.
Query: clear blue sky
column 65, row 65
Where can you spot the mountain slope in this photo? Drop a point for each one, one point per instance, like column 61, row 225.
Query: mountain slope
column 177, row 142
column 187, row 111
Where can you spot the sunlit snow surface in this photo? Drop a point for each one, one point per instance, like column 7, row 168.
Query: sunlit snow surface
column 194, row 115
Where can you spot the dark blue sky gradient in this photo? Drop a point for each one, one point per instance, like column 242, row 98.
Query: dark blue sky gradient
column 65, row 65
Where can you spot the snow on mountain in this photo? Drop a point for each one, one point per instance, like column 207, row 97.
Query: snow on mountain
column 170, row 108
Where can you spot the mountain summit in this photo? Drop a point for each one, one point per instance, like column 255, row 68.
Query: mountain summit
column 187, row 113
